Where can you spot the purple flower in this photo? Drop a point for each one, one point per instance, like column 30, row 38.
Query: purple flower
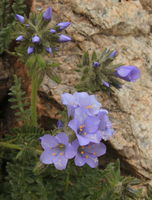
column 88, row 154
column 113, row 54
column 96, row 64
column 59, row 124
column 47, row 15
column 52, row 30
column 87, row 103
column 128, row 73
column 49, row 50
column 57, row 150
column 105, row 83
column 63, row 25
column 86, row 129
column 30, row 50
column 105, row 125
column 20, row 38
column 20, row 18
column 35, row 39
column 64, row 38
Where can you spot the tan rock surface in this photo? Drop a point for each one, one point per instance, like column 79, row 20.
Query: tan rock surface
column 125, row 27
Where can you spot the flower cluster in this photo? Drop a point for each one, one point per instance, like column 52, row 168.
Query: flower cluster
column 102, row 74
column 35, row 35
column 128, row 73
column 89, row 124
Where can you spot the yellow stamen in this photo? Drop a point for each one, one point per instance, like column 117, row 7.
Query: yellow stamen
column 94, row 153
column 53, row 154
column 61, row 145
column 89, row 107
column 61, row 153
column 82, row 152
column 81, row 126
column 87, row 156
column 84, row 133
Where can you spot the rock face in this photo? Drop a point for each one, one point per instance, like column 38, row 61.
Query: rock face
column 147, row 5
column 124, row 26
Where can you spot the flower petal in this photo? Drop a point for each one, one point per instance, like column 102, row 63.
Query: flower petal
column 70, row 151
column 46, row 157
column 48, row 141
column 62, row 138
column 79, row 161
column 60, row 162
column 92, row 162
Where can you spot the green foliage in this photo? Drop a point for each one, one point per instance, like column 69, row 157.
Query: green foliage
column 29, row 179
column 20, row 101
column 149, row 195
column 92, row 78
column 8, row 9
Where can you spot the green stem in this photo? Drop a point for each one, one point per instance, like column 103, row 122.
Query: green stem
column 34, row 100
column 10, row 146
column 16, row 147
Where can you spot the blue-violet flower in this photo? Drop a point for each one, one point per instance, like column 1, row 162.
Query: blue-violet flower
column 20, row 38
column 47, row 15
column 20, row 18
column 63, row 25
column 96, row 64
column 64, row 38
column 88, row 154
column 128, row 73
column 30, row 50
column 86, row 129
column 83, row 100
column 35, row 39
column 57, row 150
column 49, row 50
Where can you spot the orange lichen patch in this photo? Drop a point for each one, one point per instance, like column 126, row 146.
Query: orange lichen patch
column 94, row 153
column 82, row 147
column 89, row 107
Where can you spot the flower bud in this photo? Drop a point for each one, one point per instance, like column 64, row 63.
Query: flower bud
column 47, row 15
column 35, row 39
column 20, row 18
column 30, row 50
column 49, row 50
column 59, row 124
column 128, row 73
column 105, row 83
column 63, row 25
column 20, row 38
column 113, row 54
column 52, row 30
column 96, row 64
column 64, row 38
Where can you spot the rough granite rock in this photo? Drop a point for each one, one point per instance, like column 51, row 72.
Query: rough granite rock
column 147, row 5
column 123, row 26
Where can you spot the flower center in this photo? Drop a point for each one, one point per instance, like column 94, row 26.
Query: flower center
column 60, row 146
column 89, row 107
column 81, row 130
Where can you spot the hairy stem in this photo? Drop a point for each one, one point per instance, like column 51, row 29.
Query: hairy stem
column 16, row 147
column 34, row 100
